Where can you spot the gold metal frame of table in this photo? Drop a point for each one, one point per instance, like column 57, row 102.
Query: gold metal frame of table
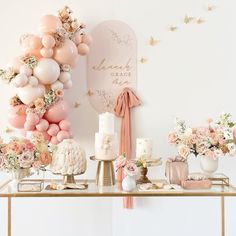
column 114, row 192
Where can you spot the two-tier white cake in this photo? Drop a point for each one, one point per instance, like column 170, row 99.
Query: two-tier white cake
column 106, row 139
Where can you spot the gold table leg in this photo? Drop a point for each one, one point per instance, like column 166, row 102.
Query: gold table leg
column 222, row 216
column 9, row 216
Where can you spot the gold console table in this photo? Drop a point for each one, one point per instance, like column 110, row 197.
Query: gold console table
column 94, row 191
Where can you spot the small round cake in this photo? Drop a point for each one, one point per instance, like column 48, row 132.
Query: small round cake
column 68, row 158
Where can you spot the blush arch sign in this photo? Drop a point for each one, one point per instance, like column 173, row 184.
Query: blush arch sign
column 112, row 63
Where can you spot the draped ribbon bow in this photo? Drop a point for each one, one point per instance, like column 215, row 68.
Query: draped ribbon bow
column 125, row 101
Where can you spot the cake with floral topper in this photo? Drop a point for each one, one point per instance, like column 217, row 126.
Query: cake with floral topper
column 106, row 139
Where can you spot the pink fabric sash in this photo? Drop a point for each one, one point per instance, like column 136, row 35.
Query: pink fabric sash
column 125, row 101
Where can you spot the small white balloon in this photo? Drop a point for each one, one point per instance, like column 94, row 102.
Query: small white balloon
column 33, row 81
column 68, row 84
column 14, row 83
column 24, row 69
column 64, row 76
column 21, row 80
column 57, row 85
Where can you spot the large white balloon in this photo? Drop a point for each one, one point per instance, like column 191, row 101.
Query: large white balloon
column 47, row 71
column 28, row 94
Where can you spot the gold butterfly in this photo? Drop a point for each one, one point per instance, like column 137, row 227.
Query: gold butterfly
column 77, row 104
column 8, row 130
column 173, row 28
column 143, row 60
column 200, row 21
column 89, row 93
column 153, row 41
column 211, row 7
column 188, row 19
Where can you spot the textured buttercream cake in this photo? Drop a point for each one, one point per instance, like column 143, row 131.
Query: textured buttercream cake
column 68, row 158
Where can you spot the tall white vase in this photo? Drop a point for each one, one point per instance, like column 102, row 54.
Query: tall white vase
column 208, row 164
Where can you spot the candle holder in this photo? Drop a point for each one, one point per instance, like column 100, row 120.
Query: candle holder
column 143, row 179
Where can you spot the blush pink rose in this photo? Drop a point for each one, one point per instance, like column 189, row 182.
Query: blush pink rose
column 172, row 137
column 184, row 151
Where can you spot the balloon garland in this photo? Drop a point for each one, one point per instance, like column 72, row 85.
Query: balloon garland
column 41, row 74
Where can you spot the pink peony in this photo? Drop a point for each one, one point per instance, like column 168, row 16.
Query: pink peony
column 184, row 151
column 131, row 169
column 15, row 147
column 172, row 138
column 121, row 162
column 26, row 159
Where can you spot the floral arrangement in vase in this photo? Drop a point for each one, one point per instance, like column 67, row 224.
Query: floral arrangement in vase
column 130, row 170
column 20, row 153
column 216, row 139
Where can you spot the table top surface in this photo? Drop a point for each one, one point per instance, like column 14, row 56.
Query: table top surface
column 113, row 191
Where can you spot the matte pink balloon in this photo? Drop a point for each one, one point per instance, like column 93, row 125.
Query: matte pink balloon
column 66, row 53
column 53, row 129
column 32, row 52
column 49, row 24
column 48, row 41
column 65, row 125
column 62, row 135
column 35, row 42
column 32, row 118
column 57, row 112
column 83, row 49
column 17, row 116
column 42, row 125
column 68, row 84
column 54, row 140
column 46, row 52
column 87, row 39
column 28, row 126
column 24, row 69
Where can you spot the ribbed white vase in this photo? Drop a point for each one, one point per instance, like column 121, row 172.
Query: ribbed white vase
column 208, row 164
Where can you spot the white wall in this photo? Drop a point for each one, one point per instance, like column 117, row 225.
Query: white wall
column 190, row 74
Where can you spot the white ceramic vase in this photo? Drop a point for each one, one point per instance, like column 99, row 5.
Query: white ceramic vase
column 129, row 183
column 16, row 176
column 208, row 164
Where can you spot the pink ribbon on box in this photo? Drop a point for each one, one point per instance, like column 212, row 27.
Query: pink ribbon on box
column 125, row 101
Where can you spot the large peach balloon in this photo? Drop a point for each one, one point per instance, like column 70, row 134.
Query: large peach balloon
column 35, row 42
column 28, row 94
column 66, row 53
column 57, row 112
column 47, row 71
column 49, row 24
column 17, row 116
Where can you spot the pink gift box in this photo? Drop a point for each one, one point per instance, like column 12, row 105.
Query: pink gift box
column 196, row 184
column 176, row 170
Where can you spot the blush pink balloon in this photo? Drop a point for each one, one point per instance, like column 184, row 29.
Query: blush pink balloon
column 46, row 52
column 63, row 135
column 32, row 52
column 57, row 112
column 87, row 39
column 16, row 64
column 35, row 42
column 48, row 41
column 42, row 125
column 46, row 136
column 17, row 116
column 53, row 129
column 49, row 24
column 77, row 38
column 28, row 126
column 32, row 118
column 66, row 53
column 65, row 125
column 54, row 140
column 83, row 49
